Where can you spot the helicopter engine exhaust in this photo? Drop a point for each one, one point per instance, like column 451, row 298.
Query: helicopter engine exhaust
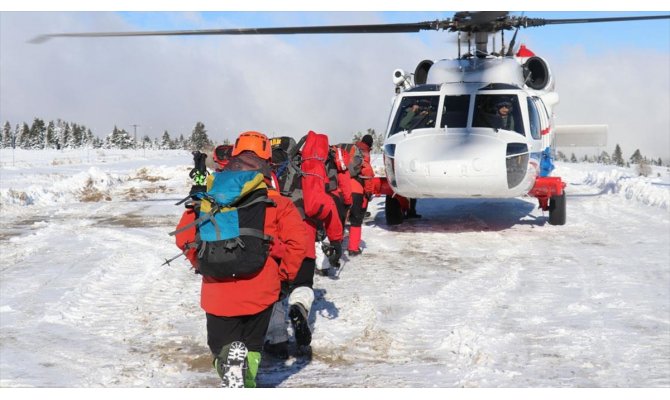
column 536, row 73
column 421, row 72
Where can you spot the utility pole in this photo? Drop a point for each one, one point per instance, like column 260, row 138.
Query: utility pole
column 134, row 135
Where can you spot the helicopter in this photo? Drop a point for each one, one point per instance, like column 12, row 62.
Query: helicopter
column 477, row 126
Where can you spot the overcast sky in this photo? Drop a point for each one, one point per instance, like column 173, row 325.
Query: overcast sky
column 615, row 73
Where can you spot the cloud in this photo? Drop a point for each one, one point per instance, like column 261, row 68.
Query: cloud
column 627, row 90
column 283, row 85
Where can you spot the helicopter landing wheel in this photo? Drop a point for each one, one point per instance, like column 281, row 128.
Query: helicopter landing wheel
column 557, row 210
column 393, row 211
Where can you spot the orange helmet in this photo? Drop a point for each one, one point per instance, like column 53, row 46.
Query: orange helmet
column 253, row 141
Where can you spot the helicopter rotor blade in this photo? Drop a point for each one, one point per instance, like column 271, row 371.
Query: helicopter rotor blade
column 374, row 28
column 527, row 22
column 464, row 21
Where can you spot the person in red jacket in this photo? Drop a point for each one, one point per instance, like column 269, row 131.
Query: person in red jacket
column 319, row 208
column 342, row 193
column 362, row 188
column 239, row 310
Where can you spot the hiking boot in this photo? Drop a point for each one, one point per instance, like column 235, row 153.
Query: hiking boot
column 298, row 315
column 322, row 272
column 233, row 368
column 357, row 252
column 368, row 214
column 412, row 214
column 277, row 350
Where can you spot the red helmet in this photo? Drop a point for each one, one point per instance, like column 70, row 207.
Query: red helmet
column 222, row 154
column 253, row 141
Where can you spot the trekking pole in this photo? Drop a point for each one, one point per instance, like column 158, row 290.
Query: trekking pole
column 168, row 261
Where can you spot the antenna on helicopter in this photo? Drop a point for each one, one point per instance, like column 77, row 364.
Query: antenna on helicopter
column 510, row 51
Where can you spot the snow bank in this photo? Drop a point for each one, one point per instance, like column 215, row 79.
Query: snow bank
column 650, row 191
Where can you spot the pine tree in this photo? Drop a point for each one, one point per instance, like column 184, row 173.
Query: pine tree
column 199, row 139
column 88, row 138
column 617, row 157
column 51, row 138
column 97, row 143
column 166, row 142
column 660, row 162
column 77, row 134
column 146, row 142
column 560, row 156
column 377, row 141
column 66, row 135
column 37, row 134
column 180, row 143
column 573, row 158
column 119, row 139
column 6, row 135
column 16, row 137
column 604, row 158
column 636, row 158
column 23, row 137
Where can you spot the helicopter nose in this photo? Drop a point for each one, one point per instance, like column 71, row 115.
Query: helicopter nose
column 459, row 166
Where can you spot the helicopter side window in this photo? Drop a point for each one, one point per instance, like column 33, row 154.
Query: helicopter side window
column 455, row 111
column 534, row 119
column 416, row 112
column 498, row 112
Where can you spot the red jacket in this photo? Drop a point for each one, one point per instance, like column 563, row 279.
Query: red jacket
column 319, row 206
column 364, row 182
column 235, row 297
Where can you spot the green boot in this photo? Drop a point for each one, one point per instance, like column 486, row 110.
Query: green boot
column 231, row 366
column 253, row 362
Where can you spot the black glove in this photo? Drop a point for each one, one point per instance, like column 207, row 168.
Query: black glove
column 320, row 233
column 333, row 251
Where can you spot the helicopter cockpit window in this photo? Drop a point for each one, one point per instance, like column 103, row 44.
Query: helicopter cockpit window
column 455, row 111
column 498, row 112
column 416, row 112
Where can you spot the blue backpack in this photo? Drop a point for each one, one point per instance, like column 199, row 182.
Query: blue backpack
column 231, row 241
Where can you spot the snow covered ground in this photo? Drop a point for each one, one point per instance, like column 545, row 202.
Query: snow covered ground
column 477, row 293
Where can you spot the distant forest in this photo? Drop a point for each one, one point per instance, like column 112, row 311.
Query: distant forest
column 68, row 135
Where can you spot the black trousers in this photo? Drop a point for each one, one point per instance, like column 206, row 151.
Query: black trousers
column 249, row 329
column 357, row 212
column 341, row 208
column 305, row 275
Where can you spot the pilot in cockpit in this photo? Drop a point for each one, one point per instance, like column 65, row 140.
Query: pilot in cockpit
column 418, row 115
column 504, row 118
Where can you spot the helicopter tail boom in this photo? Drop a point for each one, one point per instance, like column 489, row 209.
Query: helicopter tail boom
column 581, row 135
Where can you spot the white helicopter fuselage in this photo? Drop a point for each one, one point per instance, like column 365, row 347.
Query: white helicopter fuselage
column 457, row 151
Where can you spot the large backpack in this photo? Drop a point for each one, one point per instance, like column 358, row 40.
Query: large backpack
column 331, row 170
column 355, row 158
column 286, row 162
column 314, row 154
column 230, row 240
